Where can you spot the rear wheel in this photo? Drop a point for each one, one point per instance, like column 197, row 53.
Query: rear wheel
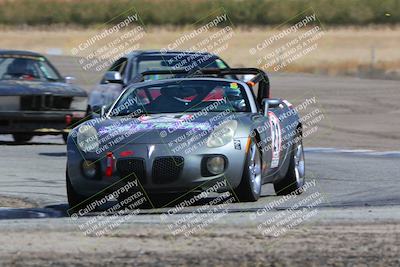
column 249, row 189
column 295, row 176
column 22, row 137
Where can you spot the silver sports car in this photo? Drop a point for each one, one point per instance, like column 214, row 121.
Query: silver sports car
column 183, row 134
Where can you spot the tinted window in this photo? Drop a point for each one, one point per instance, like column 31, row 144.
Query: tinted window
column 189, row 62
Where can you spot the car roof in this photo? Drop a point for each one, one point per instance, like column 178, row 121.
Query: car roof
column 170, row 53
column 20, row 53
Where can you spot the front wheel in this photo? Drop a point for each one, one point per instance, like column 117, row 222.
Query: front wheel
column 65, row 137
column 22, row 137
column 74, row 199
column 249, row 189
column 295, row 176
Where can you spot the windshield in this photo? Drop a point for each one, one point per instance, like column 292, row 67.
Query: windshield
column 189, row 62
column 26, row 68
column 182, row 96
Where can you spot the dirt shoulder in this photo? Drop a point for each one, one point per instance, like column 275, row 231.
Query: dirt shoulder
column 344, row 244
column 12, row 202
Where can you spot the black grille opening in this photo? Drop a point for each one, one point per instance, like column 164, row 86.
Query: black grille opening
column 134, row 168
column 45, row 102
column 167, row 169
column 61, row 102
column 4, row 122
column 31, row 102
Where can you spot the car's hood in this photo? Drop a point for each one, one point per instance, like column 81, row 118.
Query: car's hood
column 17, row 87
column 166, row 128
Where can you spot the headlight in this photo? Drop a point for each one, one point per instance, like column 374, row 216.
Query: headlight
column 89, row 169
column 87, row 138
column 79, row 103
column 223, row 134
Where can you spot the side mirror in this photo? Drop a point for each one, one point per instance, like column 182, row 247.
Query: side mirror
column 69, row 79
column 113, row 77
column 100, row 110
column 103, row 111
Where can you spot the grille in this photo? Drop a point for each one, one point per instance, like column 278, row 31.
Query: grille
column 129, row 166
column 61, row 102
column 45, row 102
column 167, row 169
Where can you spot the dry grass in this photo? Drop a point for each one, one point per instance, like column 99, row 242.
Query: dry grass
column 340, row 50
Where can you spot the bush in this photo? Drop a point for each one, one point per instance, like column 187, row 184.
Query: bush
column 181, row 12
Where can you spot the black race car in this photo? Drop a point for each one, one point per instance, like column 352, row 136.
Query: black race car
column 35, row 99
column 127, row 70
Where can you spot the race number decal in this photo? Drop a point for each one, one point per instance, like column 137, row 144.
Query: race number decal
column 276, row 139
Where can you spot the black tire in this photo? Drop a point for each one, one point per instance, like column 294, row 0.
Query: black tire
column 74, row 199
column 295, row 176
column 249, row 189
column 65, row 137
column 22, row 137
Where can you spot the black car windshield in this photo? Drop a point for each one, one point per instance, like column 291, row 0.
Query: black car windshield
column 15, row 67
column 189, row 62
column 182, row 96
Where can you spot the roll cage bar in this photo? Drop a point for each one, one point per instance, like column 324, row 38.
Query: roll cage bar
column 260, row 78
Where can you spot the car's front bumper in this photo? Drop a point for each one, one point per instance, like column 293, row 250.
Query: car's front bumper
column 190, row 176
column 39, row 122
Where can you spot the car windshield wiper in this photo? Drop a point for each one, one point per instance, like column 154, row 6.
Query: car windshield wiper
column 52, row 79
column 131, row 114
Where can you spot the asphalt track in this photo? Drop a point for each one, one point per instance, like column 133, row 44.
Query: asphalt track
column 344, row 178
column 354, row 177
column 352, row 163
